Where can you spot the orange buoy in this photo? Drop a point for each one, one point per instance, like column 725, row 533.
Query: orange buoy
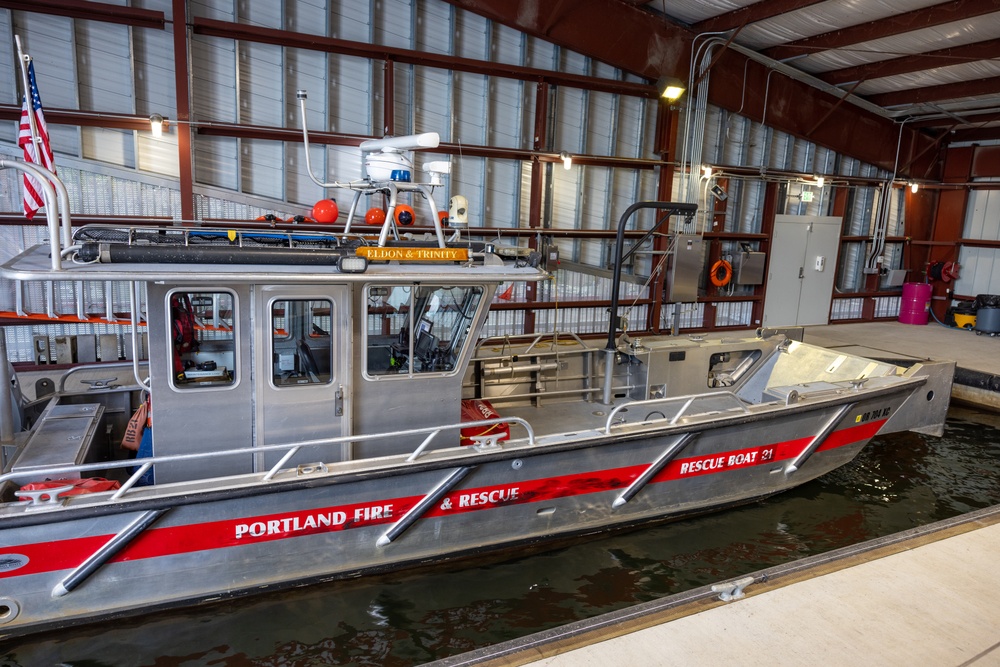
column 374, row 216
column 325, row 211
column 443, row 218
column 722, row 273
column 404, row 215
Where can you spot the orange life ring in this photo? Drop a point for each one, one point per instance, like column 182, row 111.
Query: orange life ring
column 722, row 273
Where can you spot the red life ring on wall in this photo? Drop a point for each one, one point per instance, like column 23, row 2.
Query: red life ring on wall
column 722, row 273
column 949, row 271
column 943, row 271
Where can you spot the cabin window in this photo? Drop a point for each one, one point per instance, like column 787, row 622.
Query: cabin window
column 202, row 338
column 301, row 344
column 414, row 329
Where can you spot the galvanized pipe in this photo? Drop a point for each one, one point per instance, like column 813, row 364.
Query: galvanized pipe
column 425, row 504
column 45, row 179
column 101, row 556
column 668, row 455
column 6, row 398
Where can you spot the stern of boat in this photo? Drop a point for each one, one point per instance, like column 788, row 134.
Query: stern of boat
column 926, row 409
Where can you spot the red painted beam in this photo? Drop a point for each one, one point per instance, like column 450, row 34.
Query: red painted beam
column 615, row 33
column 758, row 11
column 968, row 118
column 981, row 134
column 916, row 62
column 927, row 17
column 94, row 11
column 947, row 91
column 251, row 33
column 649, row 47
column 54, row 116
column 786, row 104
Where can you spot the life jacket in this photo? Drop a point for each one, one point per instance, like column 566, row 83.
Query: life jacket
column 185, row 338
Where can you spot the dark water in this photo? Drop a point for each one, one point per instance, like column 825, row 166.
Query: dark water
column 897, row 482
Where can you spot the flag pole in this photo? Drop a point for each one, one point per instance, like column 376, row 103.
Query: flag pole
column 24, row 60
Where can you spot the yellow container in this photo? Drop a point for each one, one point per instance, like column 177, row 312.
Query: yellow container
column 965, row 321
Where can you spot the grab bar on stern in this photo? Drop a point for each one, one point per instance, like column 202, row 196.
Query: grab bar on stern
column 689, row 400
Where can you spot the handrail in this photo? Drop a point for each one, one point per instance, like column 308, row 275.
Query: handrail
column 669, row 208
column 536, row 339
column 688, row 399
column 95, row 367
column 45, row 179
column 145, row 464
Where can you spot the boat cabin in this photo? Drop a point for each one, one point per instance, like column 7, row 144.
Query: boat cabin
column 239, row 363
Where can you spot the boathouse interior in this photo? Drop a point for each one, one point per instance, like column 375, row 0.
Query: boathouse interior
column 844, row 161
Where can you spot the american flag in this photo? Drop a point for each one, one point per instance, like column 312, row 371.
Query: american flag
column 33, row 199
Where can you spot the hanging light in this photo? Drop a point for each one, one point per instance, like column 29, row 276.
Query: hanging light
column 914, row 187
column 156, row 125
column 670, row 88
column 567, row 160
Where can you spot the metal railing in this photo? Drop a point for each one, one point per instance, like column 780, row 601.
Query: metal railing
column 687, row 400
column 143, row 465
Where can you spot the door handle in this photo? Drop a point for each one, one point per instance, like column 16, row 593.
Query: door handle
column 802, row 272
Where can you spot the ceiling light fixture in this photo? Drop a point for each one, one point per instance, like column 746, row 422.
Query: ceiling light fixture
column 914, row 187
column 567, row 160
column 670, row 88
column 156, row 124
column 820, row 181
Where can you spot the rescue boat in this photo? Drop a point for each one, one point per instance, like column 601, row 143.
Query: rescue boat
column 322, row 405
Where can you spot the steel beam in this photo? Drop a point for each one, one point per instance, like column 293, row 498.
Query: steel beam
column 915, row 62
column 647, row 47
column 947, row 91
column 288, row 38
column 93, row 11
column 926, row 17
column 758, row 11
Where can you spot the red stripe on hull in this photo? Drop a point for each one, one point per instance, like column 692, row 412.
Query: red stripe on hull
column 175, row 540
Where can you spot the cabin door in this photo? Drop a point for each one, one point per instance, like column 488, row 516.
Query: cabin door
column 303, row 370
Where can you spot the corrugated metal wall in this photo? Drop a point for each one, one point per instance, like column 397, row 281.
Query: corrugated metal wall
column 980, row 273
column 117, row 69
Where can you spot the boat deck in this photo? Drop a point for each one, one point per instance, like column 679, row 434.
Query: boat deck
column 977, row 380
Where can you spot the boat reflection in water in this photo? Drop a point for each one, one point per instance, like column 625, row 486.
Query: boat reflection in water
column 898, row 482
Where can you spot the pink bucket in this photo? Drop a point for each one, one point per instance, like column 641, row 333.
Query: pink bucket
column 916, row 303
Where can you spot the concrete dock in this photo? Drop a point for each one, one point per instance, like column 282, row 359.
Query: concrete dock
column 920, row 597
